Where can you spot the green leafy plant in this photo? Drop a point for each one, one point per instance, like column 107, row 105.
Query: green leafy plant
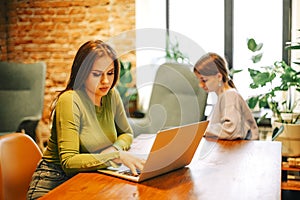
column 127, row 92
column 173, row 52
column 262, row 76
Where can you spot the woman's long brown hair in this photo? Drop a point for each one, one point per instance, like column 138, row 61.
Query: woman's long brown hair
column 83, row 63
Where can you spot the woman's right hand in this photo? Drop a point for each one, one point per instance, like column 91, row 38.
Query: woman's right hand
column 131, row 161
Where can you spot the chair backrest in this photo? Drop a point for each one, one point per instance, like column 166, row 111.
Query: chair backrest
column 19, row 156
column 21, row 94
column 176, row 97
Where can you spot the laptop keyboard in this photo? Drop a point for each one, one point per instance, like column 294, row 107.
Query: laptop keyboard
column 129, row 173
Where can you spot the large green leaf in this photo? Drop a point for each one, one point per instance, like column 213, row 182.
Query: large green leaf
column 259, row 46
column 256, row 58
column 263, row 102
column 293, row 47
column 297, row 63
column 125, row 73
column 260, row 78
column 126, row 77
column 253, row 46
column 252, row 102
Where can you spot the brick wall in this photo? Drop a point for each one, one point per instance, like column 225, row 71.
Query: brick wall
column 52, row 31
column 2, row 30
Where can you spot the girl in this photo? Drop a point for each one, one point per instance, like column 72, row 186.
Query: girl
column 231, row 117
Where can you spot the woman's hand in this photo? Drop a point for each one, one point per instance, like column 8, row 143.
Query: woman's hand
column 131, row 161
column 126, row 158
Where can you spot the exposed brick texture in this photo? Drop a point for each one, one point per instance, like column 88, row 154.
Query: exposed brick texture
column 52, row 31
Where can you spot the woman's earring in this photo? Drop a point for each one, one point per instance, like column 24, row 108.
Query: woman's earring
column 220, row 84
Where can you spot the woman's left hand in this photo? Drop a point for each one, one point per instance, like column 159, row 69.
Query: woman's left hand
column 126, row 158
column 131, row 161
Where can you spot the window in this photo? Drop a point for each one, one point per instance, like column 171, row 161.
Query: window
column 295, row 32
column 259, row 20
column 203, row 22
column 295, row 36
column 191, row 21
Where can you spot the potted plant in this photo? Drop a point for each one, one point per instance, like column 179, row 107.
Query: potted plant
column 280, row 78
column 127, row 92
column 173, row 52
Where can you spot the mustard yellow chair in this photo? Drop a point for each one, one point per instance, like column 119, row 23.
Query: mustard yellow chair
column 19, row 156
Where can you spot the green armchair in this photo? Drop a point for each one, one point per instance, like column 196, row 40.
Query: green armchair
column 21, row 96
column 176, row 99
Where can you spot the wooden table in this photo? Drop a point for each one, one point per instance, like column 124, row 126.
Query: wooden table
column 219, row 170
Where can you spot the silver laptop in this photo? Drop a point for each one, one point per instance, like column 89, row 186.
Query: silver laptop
column 172, row 149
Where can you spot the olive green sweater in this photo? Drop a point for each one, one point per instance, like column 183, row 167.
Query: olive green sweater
column 81, row 130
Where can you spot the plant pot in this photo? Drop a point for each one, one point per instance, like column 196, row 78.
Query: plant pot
column 289, row 117
column 290, row 138
column 132, row 107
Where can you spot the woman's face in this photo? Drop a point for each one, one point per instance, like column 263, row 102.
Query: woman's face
column 209, row 83
column 100, row 78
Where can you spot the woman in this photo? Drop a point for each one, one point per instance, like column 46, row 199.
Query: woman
column 231, row 117
column 90, row 130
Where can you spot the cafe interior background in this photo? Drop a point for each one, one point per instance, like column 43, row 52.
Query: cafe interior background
column 52, row 31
